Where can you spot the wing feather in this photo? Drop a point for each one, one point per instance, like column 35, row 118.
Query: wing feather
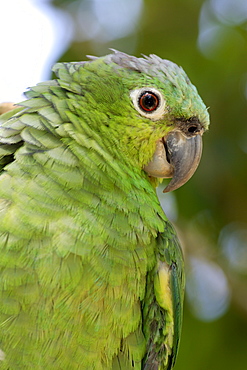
column 163, row 304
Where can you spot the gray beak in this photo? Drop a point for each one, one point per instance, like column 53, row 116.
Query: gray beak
column 176, row 156
column 185, row 155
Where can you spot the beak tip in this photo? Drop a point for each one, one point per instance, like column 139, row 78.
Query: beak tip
column 171, row 186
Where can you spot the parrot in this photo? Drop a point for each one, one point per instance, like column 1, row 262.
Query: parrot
column 91, row 269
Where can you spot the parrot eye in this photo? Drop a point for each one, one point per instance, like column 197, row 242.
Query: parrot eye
column 149, row 102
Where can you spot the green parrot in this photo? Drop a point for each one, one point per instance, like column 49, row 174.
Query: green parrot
column 91, row 271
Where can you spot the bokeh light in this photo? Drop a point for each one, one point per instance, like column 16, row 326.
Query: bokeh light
column 33, row 36
column 233, row 241
column 207, row 289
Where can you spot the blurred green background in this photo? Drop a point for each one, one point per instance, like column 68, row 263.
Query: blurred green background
column 209, row 40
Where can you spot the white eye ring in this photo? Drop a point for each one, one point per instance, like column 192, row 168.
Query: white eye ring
column 155, row 103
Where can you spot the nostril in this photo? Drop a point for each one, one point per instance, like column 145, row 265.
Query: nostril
column 193, row 129
column 190, row 127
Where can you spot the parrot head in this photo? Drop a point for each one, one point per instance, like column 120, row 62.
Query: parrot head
column 148, row 112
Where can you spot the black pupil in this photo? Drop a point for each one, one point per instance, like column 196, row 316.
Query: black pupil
column 148, row 101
